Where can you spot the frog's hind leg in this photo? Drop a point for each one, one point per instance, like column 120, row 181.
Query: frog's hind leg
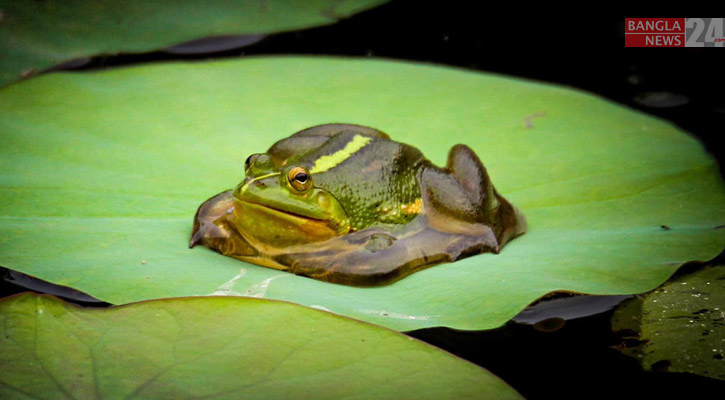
column 468, row 170
column 461, row 198
column 505, row 219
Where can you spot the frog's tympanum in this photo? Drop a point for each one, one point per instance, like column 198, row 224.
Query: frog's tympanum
column 345, row 204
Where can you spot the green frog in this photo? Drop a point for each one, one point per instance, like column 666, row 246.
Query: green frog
column 346, row 204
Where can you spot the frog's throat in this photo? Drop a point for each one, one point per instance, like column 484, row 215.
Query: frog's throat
column 340, row 227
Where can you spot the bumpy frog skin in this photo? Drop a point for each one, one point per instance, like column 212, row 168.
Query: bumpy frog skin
column 345, row 204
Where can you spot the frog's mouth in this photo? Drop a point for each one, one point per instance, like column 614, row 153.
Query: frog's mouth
column 270, row 226
column 281, row 213
column 322, row 220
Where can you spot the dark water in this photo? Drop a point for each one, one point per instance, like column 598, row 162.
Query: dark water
column 567, row 354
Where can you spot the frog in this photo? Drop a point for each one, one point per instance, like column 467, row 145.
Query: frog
column 346, row 204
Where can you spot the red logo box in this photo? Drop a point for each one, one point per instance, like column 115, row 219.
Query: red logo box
column 654, row 32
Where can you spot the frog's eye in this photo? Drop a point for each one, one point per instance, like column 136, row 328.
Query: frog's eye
column 299, row 179
column 250, row 161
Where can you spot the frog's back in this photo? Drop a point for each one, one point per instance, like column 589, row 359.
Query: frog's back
column 373, row 177
column 315, row 137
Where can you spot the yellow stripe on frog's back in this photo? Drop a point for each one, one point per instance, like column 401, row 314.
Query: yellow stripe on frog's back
column 330, row 161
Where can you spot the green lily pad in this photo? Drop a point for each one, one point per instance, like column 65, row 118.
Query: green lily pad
column 678, row 327
column 35, row 35
column 219, row 347
column 101, row 173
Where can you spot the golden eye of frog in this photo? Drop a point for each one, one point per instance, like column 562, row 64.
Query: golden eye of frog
column 346, row 204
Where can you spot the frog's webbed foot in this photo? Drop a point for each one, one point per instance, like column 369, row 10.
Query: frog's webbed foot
column 212, row 227
column 375, row 257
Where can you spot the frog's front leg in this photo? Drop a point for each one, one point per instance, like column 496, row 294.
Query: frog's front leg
column 375, row 257
column 213, row 227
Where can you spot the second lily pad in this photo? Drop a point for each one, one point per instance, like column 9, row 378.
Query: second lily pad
column 38, row 35
column 220, row 348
